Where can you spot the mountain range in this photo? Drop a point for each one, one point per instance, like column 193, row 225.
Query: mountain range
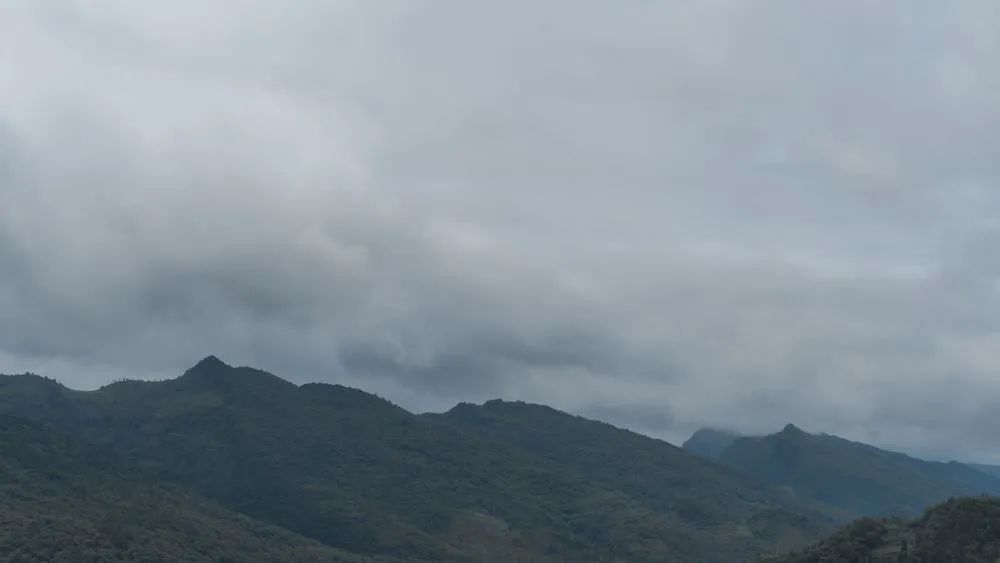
column 235, row 464
column 850, row 478
column 353, row 472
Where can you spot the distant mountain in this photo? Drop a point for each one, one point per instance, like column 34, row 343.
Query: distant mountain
column 499, row 482
column 66, row 501
column 710, row 443
column 992, row 470
column 966, row 530
column 856, row 478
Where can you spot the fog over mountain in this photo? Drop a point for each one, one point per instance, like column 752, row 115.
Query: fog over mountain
column 667, row 215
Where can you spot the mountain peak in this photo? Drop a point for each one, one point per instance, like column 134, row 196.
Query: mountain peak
column 210, row 368
column 792, row 429
column 220, row 376
column 210, row 362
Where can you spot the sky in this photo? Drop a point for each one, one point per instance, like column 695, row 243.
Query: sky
column 663, row 214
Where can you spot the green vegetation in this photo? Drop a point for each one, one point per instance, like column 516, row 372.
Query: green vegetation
column 67, row 502
column 965, row 530
column 856, row 479
column 235, row 464
column 720, row 508
column 501, row 482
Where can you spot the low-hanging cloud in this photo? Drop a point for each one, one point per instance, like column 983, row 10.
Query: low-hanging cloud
column 661, row 214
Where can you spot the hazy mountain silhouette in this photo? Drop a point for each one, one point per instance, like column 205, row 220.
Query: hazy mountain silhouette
column 854, row 477
column 992, row 470
column 710, row 443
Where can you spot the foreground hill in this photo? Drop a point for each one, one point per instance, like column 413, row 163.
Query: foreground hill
column 67, row 502
column 358, row 473
column 856, row 478
column 966, row 530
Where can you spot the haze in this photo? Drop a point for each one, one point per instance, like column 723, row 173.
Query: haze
column 661, row 214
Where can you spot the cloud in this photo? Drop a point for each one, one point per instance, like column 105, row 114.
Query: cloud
column 667, row 214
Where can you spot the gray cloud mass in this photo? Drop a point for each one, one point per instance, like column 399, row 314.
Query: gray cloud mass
column 661, row 214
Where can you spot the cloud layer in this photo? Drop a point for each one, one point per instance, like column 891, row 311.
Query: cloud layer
column 661, row 214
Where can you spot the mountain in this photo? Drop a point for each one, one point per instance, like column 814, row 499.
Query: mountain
column 992, row 470
column 857, row 478
column 721, row 509
column 965, row 530
column 710, row 443
column 66, row 501
column 498, row 482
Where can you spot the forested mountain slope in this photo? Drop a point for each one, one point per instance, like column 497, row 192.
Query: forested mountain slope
column 729, row 506
column 854, row 477
column 962, row 530
column 358, row 473
column 64, row 501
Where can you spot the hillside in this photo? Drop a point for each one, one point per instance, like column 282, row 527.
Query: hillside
column 67, row 502
column 358, row 473
column 854, row 477
column 722, row 506
column 992, row 470
column 709, row 443
column 966, row 530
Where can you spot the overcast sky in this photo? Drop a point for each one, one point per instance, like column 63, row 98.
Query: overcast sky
column 664, row 214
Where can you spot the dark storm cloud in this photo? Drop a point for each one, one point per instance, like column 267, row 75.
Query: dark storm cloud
column 665, row 214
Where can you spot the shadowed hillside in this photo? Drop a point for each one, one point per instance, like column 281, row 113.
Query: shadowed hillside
column 856, row 478
column 966, row 530
column 358, row 473
column 992, row 470
column 710, row 443
column 67, row 502
column 730, row 507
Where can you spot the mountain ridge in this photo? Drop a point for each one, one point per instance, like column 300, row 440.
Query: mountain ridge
column 495, row 481
column 859, row 478
column 360, row 474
